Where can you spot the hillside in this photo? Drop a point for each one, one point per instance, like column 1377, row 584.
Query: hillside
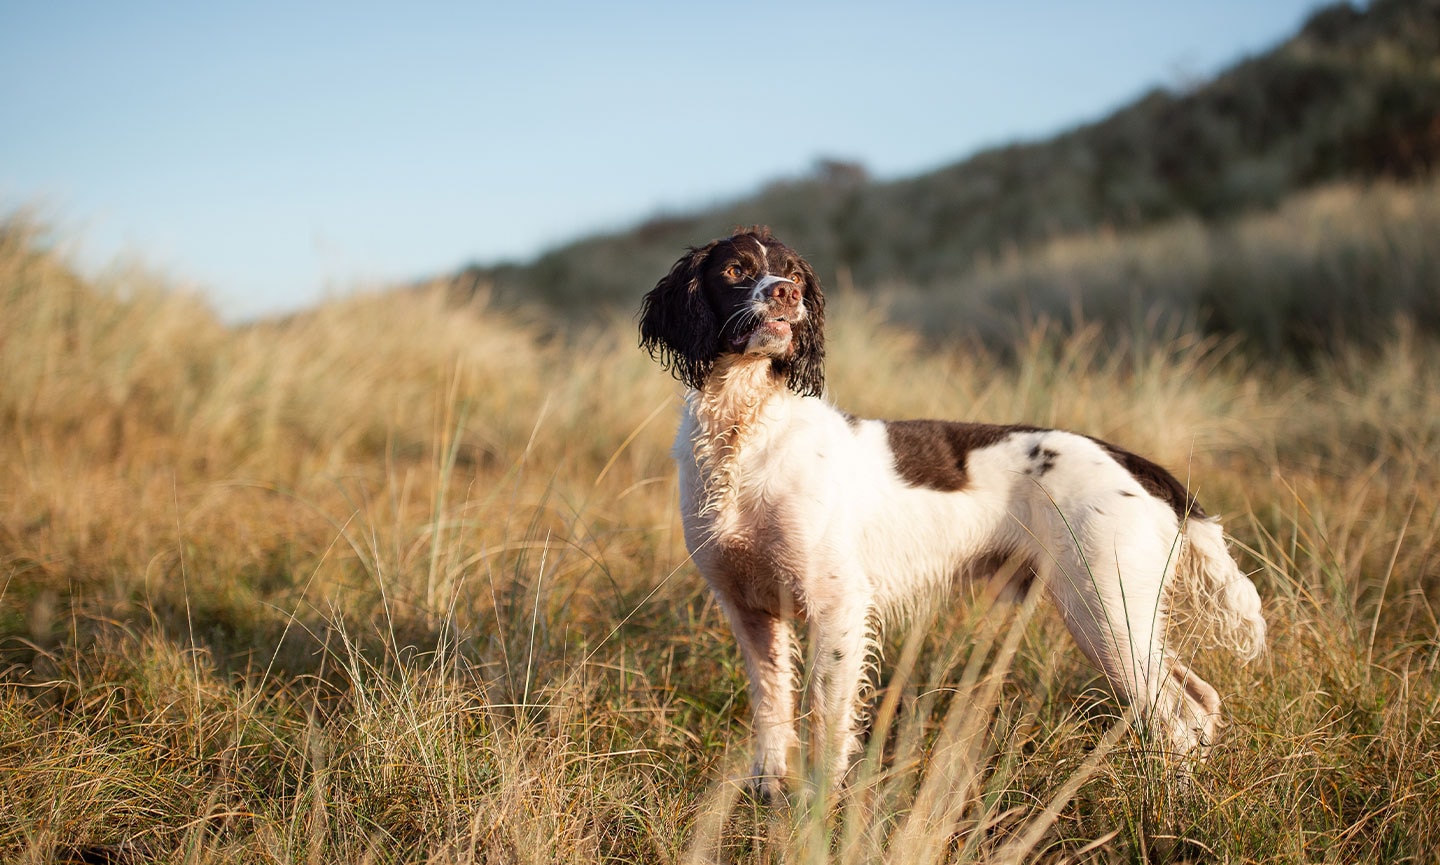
column 1354, row 96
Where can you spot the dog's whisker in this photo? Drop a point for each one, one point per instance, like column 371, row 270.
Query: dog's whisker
column 737, row 314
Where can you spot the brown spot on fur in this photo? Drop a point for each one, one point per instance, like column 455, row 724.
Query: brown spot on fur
column 1043, row 460
column 932, row 453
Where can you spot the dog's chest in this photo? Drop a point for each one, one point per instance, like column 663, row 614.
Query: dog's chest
column 757, row 568
column 758, row 493
column 747, row 531
column 749, row 542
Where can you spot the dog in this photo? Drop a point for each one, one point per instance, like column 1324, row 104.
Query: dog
column 793, row 509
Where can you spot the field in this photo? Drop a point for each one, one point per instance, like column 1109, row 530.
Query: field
column 395, row 581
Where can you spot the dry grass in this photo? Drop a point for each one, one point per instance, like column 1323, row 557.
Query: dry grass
column 400, row 582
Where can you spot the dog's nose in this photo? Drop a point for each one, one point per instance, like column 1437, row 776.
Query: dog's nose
column 784, row 291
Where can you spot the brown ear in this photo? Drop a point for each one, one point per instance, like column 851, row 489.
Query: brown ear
column 806, row 372
column 677, row 326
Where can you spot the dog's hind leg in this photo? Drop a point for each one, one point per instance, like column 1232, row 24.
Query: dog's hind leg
column 1112, row 597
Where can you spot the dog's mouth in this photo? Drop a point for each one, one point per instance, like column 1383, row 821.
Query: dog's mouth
column 765, row 334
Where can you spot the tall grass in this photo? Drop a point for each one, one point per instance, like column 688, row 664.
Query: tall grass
column 394, row 581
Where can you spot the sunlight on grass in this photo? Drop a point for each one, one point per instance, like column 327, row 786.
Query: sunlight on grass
column 396, row 580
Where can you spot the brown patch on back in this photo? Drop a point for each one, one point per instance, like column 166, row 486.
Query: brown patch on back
column 1156, row 481
column 932, row 454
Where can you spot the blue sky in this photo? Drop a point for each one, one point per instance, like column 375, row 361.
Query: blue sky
column 267, row 154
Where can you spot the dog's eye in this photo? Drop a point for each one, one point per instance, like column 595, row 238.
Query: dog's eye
column 798, row 278
column 733, row 271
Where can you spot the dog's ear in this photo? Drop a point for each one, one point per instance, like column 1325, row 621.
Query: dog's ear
column 806, row 373
column 677, row 325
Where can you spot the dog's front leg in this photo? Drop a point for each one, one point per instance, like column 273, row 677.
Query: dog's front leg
column 841, row 637
column 767, row 645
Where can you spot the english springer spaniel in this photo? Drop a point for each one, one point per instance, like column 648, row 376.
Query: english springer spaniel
column 794, row 509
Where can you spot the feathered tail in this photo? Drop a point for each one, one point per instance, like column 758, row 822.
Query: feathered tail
column 1218, row 600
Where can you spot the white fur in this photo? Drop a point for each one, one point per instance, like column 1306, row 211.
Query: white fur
column 791, row 509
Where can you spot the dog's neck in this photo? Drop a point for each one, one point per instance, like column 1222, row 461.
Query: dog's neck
column 735, row 391
column 727, row 410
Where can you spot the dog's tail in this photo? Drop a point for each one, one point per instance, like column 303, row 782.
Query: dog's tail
column 1218, row 600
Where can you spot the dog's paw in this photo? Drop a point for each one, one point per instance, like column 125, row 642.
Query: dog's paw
column 766, row 789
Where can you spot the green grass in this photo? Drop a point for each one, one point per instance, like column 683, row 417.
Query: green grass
column 398, row 582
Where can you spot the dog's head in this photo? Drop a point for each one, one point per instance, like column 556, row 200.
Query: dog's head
column 748, row 294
